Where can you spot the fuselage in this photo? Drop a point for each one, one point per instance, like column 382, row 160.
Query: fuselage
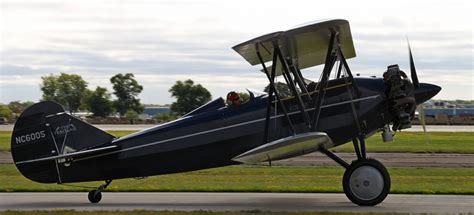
column 213, row 137
column 217, row 133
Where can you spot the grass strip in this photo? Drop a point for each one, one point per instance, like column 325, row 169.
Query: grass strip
column 421, row 180
column 417, row 142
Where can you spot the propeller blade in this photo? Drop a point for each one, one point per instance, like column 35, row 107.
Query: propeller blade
column 421, row 113
column 414, row 77
column 421, row 116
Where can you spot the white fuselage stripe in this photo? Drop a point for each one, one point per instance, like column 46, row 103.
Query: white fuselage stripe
column 223, row 128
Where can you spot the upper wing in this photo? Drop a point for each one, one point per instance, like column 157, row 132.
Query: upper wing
column 306, row 45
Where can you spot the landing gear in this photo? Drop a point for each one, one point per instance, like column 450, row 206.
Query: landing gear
column 96, row 195
column 366, row 181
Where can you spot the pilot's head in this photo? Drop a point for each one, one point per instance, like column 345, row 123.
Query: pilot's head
column 233, row 99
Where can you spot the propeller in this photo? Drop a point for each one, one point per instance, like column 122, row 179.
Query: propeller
column 421, row 116
column 416, row 84
column 414, row 77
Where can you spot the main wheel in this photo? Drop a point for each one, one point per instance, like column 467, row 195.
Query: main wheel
column 94, row 196
column 366, row 182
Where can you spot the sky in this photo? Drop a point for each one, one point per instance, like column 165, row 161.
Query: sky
column 162, row 42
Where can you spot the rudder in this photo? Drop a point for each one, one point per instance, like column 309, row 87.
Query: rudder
column 46, row 130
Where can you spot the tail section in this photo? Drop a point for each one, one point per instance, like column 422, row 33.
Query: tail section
column 43, row 137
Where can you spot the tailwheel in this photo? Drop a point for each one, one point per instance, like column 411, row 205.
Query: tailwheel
column 95, row 196
column 366, row 182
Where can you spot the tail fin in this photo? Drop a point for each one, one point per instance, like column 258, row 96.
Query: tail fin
column 45, row 130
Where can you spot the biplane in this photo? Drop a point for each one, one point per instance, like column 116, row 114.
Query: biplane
column 49, row 145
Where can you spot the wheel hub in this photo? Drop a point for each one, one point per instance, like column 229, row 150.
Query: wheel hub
column 366, row 182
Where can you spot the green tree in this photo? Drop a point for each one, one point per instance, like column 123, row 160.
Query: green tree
column 188, row 96
column 126, row 89
column 131, row 116
column 18, row 107
column 50, row 88
column 282, row 89
column 165, row 117
column 67, row 89
column 99, row 102
column 5, row 112
column 245, row 97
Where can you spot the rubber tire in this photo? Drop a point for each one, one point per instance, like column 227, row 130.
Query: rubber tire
column 94, row 196
column 366, row 162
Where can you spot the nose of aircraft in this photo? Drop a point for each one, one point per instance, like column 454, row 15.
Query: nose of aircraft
column 425, row 92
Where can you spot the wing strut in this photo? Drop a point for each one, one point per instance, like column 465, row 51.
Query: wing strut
column 271, row 79
column 278, row 57
column 291, row 83
column 334, row 53
column 331, row 58
column 287, row 63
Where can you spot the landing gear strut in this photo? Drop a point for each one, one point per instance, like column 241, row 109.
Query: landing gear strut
column 96, row 195
column 366, row 181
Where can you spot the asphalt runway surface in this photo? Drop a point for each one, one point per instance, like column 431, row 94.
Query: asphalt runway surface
column 437, row 128
column 235, row 202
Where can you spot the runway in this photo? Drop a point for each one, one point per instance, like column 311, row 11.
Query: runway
column 235, row 202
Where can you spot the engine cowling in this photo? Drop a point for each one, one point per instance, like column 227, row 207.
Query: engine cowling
column 400, row 94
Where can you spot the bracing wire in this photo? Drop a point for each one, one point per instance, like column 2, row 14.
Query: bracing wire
column 276, row 105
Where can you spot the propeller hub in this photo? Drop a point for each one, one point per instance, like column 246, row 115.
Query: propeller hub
column 425, row 92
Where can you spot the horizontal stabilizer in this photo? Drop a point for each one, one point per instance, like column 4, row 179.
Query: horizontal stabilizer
column 69, row 156
column 286, row 148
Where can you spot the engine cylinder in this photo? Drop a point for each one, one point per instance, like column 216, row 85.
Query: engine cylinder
column 401, row 97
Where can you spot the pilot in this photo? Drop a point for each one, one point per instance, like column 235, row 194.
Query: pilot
column 233, row 99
